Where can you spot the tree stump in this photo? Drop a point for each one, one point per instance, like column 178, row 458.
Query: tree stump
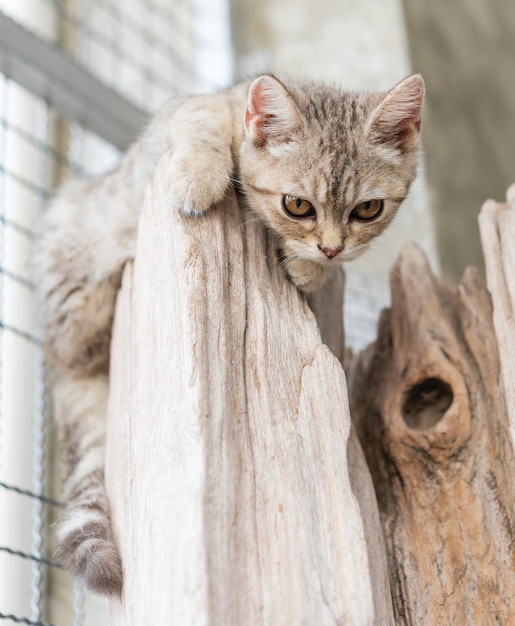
column 429, row 403
column 227, row 466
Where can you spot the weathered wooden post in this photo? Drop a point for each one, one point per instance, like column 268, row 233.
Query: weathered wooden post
column 434, row 404
column 227, row 468
column 497, row 230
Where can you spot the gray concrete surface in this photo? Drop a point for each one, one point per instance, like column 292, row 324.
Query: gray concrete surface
column 466, row 51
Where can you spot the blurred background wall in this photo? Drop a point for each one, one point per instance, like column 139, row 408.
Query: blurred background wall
column 466, row 51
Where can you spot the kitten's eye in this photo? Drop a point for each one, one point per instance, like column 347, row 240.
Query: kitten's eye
column 367, row 210
column 298, row 207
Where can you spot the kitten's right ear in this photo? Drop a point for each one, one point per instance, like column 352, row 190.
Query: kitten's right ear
column 396, row 121
column 271, row 114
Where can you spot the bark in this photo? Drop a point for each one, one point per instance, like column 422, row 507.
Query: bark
column 429, row 402
column 227, row 463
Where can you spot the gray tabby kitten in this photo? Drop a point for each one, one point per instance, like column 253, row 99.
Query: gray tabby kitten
column 325, row 170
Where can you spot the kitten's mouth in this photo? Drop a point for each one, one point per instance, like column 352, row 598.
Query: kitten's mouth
column 330, row 262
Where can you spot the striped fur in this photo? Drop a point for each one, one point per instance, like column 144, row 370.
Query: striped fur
column 333, row 148
column 85, row 542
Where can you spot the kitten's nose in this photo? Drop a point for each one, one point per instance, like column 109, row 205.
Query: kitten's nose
column 330, row 253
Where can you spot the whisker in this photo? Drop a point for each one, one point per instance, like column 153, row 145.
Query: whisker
column 256, row 218
column 285, row 261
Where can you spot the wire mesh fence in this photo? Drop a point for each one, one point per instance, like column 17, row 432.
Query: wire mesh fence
column 143, row 49
column 37, row 149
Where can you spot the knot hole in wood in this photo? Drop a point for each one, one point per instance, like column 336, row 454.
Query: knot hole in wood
column 426, row 403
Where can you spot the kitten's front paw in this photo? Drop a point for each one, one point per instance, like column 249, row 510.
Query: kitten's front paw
column 195, row 186
column 307, row 275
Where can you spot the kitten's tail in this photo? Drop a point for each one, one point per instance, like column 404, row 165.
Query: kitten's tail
column 86, row 545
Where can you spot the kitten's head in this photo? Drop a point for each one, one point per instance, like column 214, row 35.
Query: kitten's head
column 326, row 169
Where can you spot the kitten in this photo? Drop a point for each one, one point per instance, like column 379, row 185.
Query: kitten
column 325, row 170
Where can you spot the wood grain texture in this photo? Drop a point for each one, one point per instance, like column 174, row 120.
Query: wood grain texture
column 429, row 404
column 497, row 229
column 227, row 467
column 327, row 305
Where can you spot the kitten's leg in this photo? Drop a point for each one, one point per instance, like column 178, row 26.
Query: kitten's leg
column 86, row 545
column 77, row 267
column 202, row 161
column 195, row 187
column 77, row 316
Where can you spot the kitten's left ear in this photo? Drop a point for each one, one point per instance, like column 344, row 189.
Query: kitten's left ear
column 271, row 115
column 397, row 119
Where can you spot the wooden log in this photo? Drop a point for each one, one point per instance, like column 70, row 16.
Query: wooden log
column 497, row 230
column 327, row 305
column 227, row 468
column 429, row 404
